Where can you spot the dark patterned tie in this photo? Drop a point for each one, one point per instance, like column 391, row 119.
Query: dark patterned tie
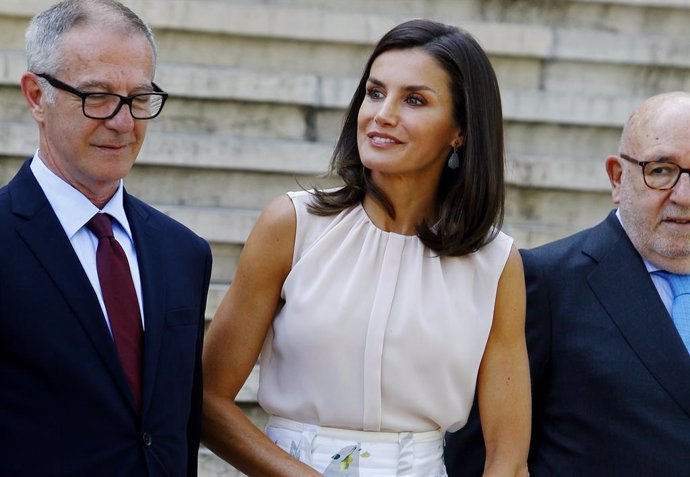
column 120, row 300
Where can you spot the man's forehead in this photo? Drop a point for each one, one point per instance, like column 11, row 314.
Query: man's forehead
column 655, row 119
column 85, row 47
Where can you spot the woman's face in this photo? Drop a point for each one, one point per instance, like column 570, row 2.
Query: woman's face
column 405, row 125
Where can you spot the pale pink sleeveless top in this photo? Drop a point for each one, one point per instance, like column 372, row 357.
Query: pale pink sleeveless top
column 376, row 332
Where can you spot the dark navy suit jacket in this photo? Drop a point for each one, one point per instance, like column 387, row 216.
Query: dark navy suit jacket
column 65, row 406
column 611, row 376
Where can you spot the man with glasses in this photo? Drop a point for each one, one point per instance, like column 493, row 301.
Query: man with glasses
column 608, row 321
column 102, row 297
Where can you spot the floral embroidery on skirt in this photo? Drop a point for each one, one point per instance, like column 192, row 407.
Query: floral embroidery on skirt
column 334, row 453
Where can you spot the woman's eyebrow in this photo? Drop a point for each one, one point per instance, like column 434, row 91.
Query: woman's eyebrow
column 413, row 87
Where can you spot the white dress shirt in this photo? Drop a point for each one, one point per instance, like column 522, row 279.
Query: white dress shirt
column 73, row 210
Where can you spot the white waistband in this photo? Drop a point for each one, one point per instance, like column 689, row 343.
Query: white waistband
column 349, row 434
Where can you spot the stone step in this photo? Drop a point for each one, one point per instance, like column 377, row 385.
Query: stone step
column 569, row 38
column 211, row 465
column 549, row 172
column 215, row 224
column 608, row 79
column 553, row 207
column 563, row 143
column 347, row 26
column 535, row 216
column 293, row 161
column 293, row 22
column 247, row 189
column 225, row 258
column 9, row 167
column 326, row 60
column 169, row 163
column 28, row 7
column 223, row 84
column 215, row 187
column 216, row 291
column 642, row 3
column 210, row 151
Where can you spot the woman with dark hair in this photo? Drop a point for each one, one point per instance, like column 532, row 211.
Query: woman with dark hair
column 379, row 306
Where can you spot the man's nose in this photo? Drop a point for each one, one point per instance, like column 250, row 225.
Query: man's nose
column 681, row 191
column 123, row 119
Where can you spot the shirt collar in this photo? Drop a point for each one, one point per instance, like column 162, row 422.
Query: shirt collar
column 651, row 268
column 72, row 207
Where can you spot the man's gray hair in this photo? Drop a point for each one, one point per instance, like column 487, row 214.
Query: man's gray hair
column 46, row 30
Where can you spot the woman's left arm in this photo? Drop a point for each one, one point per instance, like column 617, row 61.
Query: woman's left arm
column 503, row 385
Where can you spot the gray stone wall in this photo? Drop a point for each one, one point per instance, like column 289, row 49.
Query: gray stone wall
column 258, row 89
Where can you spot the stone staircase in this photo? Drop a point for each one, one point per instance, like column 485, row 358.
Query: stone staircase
column 258, row 89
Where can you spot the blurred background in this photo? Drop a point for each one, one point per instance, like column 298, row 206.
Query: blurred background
column 259, row 87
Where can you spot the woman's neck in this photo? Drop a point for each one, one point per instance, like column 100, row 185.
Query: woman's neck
column 413, row 205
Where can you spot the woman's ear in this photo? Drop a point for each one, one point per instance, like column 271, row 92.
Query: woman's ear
column 458, row 141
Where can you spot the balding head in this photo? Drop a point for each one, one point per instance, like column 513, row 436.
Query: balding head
column 655, row 141
column 637, row 129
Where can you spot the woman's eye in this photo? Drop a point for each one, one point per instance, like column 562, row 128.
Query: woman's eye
column 414, row 100
column 374, row 93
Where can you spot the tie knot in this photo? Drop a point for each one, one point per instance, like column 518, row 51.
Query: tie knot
column 680, row 284
column 101, row 225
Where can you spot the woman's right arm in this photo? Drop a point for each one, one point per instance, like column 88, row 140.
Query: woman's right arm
column 233, row 343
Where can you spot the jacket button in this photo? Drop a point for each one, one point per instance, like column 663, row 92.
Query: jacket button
column 147, row 439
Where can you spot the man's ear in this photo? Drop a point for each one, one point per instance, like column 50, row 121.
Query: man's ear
column 33, row 95
column 614, row 169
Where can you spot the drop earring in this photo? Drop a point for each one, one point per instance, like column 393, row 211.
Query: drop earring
column 454, row 159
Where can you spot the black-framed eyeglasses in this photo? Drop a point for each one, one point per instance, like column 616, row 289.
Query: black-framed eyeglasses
column 657, row 174
column 107, row 105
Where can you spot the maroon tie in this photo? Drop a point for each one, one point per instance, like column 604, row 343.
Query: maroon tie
column 120, row 300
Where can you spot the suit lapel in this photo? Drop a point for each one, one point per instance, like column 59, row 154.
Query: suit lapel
column 40, row 229
column 147, row 241
column 623, row 286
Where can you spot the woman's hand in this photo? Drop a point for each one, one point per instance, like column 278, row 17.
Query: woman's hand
column 233, row 343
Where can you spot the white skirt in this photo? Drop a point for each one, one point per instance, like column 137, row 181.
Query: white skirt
column 345, row 453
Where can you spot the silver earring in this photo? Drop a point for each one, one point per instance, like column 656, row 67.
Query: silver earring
column 454, row 159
